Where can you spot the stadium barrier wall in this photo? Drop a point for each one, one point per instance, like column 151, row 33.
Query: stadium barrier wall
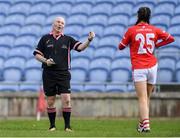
column 92, row 104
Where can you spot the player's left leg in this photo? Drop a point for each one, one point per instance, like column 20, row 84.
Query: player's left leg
column 66, row 110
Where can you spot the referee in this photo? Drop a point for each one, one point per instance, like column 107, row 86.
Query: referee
column 53, row 51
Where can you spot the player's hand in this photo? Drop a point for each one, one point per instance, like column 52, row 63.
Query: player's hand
column 91, row 36
column 50, row 62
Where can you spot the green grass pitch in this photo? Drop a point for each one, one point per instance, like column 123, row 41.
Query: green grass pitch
column 160, row 127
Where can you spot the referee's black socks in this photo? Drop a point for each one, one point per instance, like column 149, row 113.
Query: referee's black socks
column 52, row 116
column 66, row 115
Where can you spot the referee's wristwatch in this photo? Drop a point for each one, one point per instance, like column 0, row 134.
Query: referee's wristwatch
column 89, row 39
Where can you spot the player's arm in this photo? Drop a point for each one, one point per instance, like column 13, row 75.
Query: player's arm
column 125, row 41
column 85, row 44
column 165, row 37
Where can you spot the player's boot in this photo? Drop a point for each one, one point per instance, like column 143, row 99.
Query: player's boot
column 52, row 128
column 68, row 129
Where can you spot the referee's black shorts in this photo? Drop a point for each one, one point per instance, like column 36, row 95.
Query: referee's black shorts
column 56, row 82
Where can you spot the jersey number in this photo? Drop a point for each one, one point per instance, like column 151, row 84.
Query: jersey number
column 147, row 41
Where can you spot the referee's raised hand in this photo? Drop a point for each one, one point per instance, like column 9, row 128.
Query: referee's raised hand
column 91, row 36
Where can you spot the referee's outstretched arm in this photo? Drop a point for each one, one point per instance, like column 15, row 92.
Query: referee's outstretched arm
column 87, row 42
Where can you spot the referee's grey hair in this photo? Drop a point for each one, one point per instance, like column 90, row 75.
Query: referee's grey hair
column 59, row 17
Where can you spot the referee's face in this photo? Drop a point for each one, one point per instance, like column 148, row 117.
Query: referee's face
column 58, row 24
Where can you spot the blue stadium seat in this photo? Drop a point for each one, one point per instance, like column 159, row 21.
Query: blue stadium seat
column 98, row 19
column 125, row 53
column 167, row 52
column 167, row 63
column 40, row 8
column 61, row 9
column 166, row 70
column 177, row 10
column 2, row 18
column 74, row 31
column 110, row 2
column 38, row 19
column 118, row 20
column 12, row 74
column 119, row 2
column 104, row 52
column 4, row 6
column 176, row 43
column 7, row 86
column 7, row 38
column 28, row 87
column 77, row 20
column 145, row 2
column 123, row 63
column 116, row 88
column 114, row 30
column 46, row 29
column 120, row 70
column 15, row 62
column 22, row 1
column 164, row 8
column 94, row 88
column 99, row 70
column 80, row 63
column 77, row 88
column 157, row 20
column 58, row 2
column 78, row 2
column 12, row 30
column 27, row 40
column 17, row 19
column 174, row 30
column 177, row 72
column 34, row 30
column 98, row 29
column 132, row 20
column 165, row 76
column 33, row 74
column 120, row 75
column 175, row 20
column 172, row 2
column 82, row 8
column 102, row 8
column 111, row 41
column 32, row 63
column 88, row 53
column 1, row 67
column 20, row 8
column 44, row 1
column 78, row 75
column 122, row 9
column 24, row 52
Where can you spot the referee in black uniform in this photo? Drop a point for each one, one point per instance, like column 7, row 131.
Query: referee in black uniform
column 53, row 50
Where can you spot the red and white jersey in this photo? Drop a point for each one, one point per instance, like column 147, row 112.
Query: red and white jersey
column 142, row 39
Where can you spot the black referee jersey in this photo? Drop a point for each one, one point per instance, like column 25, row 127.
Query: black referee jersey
column 58, row 49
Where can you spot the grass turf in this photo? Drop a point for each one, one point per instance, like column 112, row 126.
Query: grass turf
column 89, row 128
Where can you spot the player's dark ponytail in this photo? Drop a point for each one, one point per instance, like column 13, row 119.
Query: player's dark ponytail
column 144, row 14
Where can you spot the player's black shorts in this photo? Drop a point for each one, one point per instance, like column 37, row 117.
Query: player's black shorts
column 56, row 82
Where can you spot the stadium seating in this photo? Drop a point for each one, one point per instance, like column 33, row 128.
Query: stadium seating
column 11, row 30
column 23, row 22
column 22, row 7
column 17, row 19
column 4, row 6
column 82, row 8
column 122, row 9
column 116, row 88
